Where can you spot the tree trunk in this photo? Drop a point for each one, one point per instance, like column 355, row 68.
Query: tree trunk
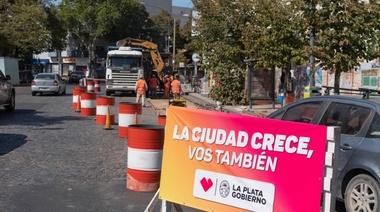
column 336, row 82
column 92, row 60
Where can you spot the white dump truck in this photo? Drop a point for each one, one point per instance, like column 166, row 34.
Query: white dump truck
column 123, row 68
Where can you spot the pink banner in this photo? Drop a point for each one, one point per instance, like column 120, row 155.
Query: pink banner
column 222, row 162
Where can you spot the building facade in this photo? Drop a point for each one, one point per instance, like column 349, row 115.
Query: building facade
column 73, row 59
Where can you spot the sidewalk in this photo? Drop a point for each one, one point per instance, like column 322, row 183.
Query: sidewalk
column 203, row 100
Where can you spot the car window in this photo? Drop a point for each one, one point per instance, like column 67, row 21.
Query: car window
column 350, row 118
column 303, row 112
column 45, row 76
column 374, row 130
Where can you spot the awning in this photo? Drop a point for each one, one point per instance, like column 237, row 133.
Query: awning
column 38, row 61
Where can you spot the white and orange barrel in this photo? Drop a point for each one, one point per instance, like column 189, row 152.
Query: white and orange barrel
column 76, row 95
column 161, row 120
column 102, row 104
column 88, row 104
column 145, row 144
column 127, row 115
column 97, row 85
column 90, row 86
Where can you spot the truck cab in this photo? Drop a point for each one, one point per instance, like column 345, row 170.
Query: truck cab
column 123, row 68
column 7, row 93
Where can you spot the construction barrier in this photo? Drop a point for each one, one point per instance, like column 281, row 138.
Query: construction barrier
column 97, row 85
column 88, row 104
column 161, row 120
column 90, row 86
column 127, row 115
column 102, row 104
column 145, row 144
column 76, row 95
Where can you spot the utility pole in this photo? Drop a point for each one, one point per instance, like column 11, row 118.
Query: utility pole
column 174, row 31
column 312, row 43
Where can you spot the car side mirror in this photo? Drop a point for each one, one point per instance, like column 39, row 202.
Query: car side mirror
column 8, row 77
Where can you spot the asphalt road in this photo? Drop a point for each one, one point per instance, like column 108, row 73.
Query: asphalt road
column 54, row 159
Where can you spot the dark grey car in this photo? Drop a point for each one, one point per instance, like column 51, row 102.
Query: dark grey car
column 359, row 157
column 7, row 93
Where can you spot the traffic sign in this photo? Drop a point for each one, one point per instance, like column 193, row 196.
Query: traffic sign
column 195, row 57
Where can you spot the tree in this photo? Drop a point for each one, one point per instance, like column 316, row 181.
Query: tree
column 230, row 32
column 25, row 28
column 347, row 33
column 90, row 20
column 221, row 49
column 279, row 33
column 162, row 30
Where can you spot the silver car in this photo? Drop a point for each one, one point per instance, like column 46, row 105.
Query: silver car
column 358, row 181
column 48, row 83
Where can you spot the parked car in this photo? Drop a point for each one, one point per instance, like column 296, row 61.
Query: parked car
column 48, row 83
column 75, row 76
column 25, row 76
column 100, row 74
column 7, row 93
column 359, row 120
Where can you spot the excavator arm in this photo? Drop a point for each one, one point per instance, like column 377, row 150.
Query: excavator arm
column 152, row 47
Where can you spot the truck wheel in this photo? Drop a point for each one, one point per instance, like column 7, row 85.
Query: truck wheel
column 108, row 93
column 362, row 194
column 12, row 103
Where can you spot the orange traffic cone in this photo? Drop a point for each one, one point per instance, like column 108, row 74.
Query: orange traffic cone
column 108, row 119
column 78, row 105
column 135, row 121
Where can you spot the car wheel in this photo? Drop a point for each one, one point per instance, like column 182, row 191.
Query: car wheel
column 362, row 194
column 12, row 104
column 108, row 93
column 34, row 93
column 64, row 92
column 58, row 92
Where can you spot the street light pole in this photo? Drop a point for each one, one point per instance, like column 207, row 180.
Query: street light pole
column 174, row 28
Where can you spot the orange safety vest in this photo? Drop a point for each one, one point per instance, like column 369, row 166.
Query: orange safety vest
column 140, row 87
column 176, row 88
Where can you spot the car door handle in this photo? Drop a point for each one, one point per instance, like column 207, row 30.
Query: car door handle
column 346, row 147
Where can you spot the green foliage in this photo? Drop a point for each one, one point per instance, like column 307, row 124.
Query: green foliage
column 278, row 33
column 230, row 85
column 90, row 20
column 347, row 32
column 162, row 29
column 26, row 28
column 58, row 33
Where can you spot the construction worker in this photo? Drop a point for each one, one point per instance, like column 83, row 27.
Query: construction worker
column 140, row 89
column 153, row 83
column 167, row 85
column 176, row 87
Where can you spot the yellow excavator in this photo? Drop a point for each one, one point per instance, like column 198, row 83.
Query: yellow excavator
column 153, row 50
